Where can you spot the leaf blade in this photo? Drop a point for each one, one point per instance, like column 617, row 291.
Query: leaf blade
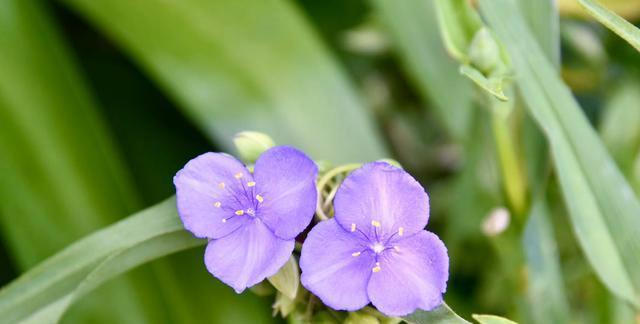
column 294, row 93
column 441, row 315
column 601, row 204
column 611, row 20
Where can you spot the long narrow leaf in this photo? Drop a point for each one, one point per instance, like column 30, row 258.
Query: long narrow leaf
column 60, row 175
column 414, row 28
column 52, row 285
column 244, row 65
column 603, row 208
column 617, row 24
column 545, row 288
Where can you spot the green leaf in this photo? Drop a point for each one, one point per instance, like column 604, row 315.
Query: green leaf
column 458, row 23
column 251, row 144
column 492, row 319
column 414, row 30
column 60, row 174
column 617, row 24
column 545, row 288
column 493, row 85
column 46, row 291
column 542, row 18
column 287, row 280
column 243, row 65
column 440, row 315
column 52, row 142
column 620, row 126
column 602, row 207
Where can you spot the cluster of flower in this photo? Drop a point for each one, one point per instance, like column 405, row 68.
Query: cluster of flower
column 375, row 250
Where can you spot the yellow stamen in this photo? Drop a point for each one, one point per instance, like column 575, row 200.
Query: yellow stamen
column 240, row 212
column 401, row 231
column 251, row 184
column 376, row 268
column 259, row 198
column 375, row 223
column 238, row 175
column 217, row 204
column 221, row 185
column 353, row 227
column 355, row 254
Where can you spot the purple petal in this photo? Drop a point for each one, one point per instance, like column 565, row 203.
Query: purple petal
column 413, row 276
column 382, row 195
column 208, row 192
column 247, row 256
column 285, row 179
column 331, row 271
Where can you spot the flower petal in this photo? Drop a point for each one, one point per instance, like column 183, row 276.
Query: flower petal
column 413, row 276
column 381, row 200
column 285, row 180
column 331, row 271
column 247, row 256
column 208, row 191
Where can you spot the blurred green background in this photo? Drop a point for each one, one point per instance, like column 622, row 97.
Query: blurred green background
column 102, row 101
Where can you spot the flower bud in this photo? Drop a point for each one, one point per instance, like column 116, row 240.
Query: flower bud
column 484, row 52
column 251, row 144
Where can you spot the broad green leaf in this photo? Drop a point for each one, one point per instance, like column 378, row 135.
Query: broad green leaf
column 458, row 23
column 60, row 175
column 545, row 287
column 617, row 24
column 414, row 30
column 492, row 319
column 45, row 291
column 440, row 315
column 287, row 280
column 602, row 207
column 240, row 65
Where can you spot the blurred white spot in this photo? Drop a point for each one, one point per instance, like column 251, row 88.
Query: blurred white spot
column 496, row 222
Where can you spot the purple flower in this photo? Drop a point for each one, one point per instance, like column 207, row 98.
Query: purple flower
column 375, row 249
column 250, row 219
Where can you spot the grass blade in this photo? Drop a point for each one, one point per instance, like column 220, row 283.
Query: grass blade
column 617, row 24
column 414, row 29
column 603, row 208
column 545, row 287
column 60, row 175
column 51, row 286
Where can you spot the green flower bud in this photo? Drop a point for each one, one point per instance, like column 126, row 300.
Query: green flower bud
column 251, row 144
column 484, row 52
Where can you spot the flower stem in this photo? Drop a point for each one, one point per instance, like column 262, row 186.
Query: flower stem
column 324, row 180
column 512, row 174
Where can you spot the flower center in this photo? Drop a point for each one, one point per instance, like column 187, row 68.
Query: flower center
column 377, row 248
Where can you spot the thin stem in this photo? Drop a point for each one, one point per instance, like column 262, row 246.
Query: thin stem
column 512, row 174
column 323, row 182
